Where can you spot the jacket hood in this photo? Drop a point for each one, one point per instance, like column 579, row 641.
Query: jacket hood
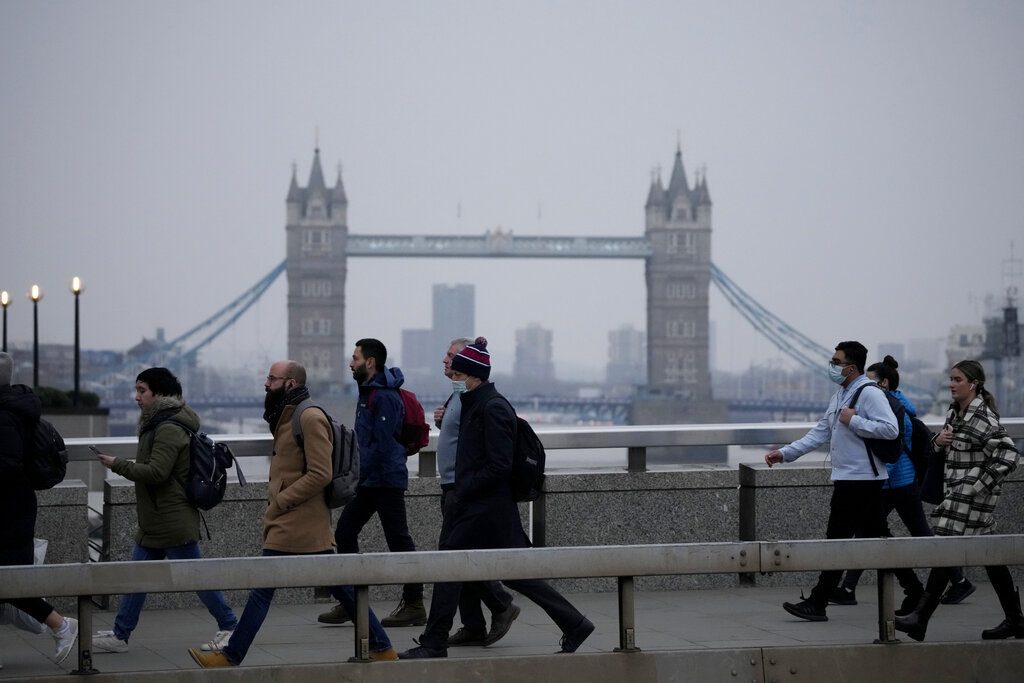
column 166, row 407
column 902, row 398
column 20, row 400
column 391, row 378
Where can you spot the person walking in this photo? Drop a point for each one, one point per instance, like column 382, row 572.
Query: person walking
column 20, row 410
column 857, row 475
column 168, row 522
column 979, row 455
column 483, row 513
column 297, row 520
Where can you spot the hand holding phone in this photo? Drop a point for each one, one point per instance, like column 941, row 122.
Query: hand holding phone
column 94, row 449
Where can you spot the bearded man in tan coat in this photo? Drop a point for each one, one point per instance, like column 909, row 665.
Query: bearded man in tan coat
column 297, row 520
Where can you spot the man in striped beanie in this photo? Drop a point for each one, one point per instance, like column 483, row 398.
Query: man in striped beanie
column 484, row 513
column 473, row 360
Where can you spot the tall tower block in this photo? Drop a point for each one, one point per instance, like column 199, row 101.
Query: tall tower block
column 678, row 228
column 316, row 234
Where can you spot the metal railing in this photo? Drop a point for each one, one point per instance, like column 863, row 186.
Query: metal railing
column 636, row 439
column 622, row 562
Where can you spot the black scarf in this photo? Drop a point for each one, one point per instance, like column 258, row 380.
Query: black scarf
column 273, row 413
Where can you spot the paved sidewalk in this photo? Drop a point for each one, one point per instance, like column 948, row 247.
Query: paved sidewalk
column 678, row 620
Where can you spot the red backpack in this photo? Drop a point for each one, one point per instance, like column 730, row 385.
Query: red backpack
column 415, row 432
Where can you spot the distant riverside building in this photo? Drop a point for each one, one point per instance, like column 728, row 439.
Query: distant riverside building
column 316, row 233
column 454, row 313
column 534, row 360
column 418, row 352
column 929, row 353
column 894, row 349
column 627, row 356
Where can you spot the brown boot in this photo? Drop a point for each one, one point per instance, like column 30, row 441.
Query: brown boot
column 1013, row 624
column 409, row 613
column 915, row 624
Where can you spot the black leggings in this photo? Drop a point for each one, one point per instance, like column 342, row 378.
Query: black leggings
column 998, row 575
column 18, row 512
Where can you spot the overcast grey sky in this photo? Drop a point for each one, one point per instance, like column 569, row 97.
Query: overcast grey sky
column 853, row 151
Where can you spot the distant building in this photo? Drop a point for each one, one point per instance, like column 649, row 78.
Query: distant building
column 419, row 352
column 316, row 233
column 627, row 356
column 965, row 341
column 454, row 313
column 534, row 361
column 894, row 349
column 927, row 353
column 453, row 316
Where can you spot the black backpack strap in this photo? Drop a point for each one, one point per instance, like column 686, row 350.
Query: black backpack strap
column 851, row 404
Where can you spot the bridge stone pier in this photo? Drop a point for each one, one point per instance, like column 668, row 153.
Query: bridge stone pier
column 676, row 248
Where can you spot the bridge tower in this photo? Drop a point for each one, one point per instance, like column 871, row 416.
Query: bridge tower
column 678, row 228
column 316, row 234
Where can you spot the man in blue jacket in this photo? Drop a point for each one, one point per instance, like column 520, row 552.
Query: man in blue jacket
column 383, row 475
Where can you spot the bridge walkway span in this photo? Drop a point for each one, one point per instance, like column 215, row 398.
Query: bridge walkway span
column 699, row 635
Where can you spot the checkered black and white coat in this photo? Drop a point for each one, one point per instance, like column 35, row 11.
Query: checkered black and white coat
column 977, row 460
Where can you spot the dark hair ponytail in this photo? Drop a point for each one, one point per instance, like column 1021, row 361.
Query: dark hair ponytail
column 887, row 370
column 975, row 373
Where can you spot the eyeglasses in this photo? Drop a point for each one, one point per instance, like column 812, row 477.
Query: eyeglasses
column 274, row 378
column 837, row 363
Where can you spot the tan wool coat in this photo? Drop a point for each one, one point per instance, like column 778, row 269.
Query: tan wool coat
column 297, row 519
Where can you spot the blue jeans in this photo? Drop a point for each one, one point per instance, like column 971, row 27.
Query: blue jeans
column 258, row 605
column 131, row 604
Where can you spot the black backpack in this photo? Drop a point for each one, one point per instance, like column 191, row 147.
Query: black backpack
column 208, row 463
column 46, row 460
column 929, row 468
column 527, row 463
column 344, row 456
column 886, row 450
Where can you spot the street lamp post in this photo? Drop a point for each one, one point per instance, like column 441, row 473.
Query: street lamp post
column 5, row 301
column 36, row 293
column 76, row 289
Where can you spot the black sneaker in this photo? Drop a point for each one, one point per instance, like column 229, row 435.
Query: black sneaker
column 842, row 595
column 910, row 602
column 805, row 609
column 957, row 592
column 424, row 652
column 465, row 637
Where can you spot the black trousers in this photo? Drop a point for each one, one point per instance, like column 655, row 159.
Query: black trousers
column 855, row 511
column 445, row 601
column 18, row 512
column 389, row 505
column 906, row 501
column 490, row 593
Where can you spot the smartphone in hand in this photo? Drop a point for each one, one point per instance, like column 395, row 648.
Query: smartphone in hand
column 94, row 449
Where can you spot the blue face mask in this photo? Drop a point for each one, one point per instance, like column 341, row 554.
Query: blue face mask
column 458, row 386
column 835, row 373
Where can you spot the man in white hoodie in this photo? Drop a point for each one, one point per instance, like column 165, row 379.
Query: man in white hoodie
column 856, row 506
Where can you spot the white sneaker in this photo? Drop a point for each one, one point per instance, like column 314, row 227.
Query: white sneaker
column 106, row 641
column 220, row 639
column 66, row 640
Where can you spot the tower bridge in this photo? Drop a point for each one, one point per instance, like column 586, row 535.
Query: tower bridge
column 675, row 246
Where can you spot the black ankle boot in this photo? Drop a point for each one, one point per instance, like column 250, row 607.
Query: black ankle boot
column 1013, row 624
column 915, row 624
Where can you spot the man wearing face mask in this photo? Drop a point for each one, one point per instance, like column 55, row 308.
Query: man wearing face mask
column 856, row 506
column 297, row 520
column 498, row 600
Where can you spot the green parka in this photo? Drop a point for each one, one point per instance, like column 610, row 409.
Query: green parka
column 160, row 468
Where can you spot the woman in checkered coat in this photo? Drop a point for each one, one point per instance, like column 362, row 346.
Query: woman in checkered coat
column 979, row 454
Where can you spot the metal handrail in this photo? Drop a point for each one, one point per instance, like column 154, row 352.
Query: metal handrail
column 636, row 438
column 622, row 562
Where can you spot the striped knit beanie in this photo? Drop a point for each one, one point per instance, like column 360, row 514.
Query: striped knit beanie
column 474, row 360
